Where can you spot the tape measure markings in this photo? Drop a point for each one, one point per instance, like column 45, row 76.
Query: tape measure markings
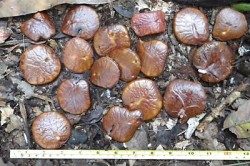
column 131, row 154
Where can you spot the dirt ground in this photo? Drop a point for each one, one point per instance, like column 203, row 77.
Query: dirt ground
column 20, row 98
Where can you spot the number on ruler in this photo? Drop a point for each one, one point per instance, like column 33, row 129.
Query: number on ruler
column 246, row 153
column 227, row 153
column 191, row 153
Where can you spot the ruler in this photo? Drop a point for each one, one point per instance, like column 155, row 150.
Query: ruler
column 131, row 154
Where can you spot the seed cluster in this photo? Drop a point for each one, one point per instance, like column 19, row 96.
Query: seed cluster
column 141, row 97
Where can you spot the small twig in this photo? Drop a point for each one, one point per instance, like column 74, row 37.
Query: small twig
column 215, row 112
column 24, row 116
column 45, row 98
column 16, row 42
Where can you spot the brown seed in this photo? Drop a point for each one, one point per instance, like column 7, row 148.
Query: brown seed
column 40, row 65
column 184, row 99
column 105, row 72
column 81, row 21
column 229, row 24
column 143, row 95
column 153, row 55
column 51, row 130
column 148, row 23
column 78, row 55
column 40, row 26
column 191, row 26
column 110, row 38
column 214, row 61
column 73, row 96
column 121, row 124
column 128, row 62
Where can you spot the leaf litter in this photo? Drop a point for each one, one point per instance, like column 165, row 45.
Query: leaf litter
column 9, row 8
column 6, row 112
column 207, row 139
column 238, row 122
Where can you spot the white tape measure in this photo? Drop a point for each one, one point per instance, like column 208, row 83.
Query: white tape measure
column 131, row 154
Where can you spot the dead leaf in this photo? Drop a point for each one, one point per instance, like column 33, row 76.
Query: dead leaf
column 73, row 118
column 9, row 8
column 19, row 138
column 3, row 66
column 182, row 144
column 139, row 141
column 193, row 123
column 15, row 123
column 6, row 112
column 209, row 137
column 126, row 8
column 4, row 34
column 160, row 5
column 239, row 122
column 244, row 143
column 5, row 164
column 23, row 86
column 37, row 111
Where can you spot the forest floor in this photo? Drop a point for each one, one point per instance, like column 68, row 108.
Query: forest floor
column 163, row 132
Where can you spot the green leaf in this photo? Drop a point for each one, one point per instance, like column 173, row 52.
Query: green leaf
column 242, row 131
column 242, row 7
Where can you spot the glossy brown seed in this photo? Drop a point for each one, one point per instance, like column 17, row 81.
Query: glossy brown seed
column 40, row 26
column 191, row 26
column 153, row 55
column 78, row 55
column 229, row 24
column 110, row 38
column 214, row 61
column 105, row 72
column 128, row 62
column 39, row 65
column 148, row 23
column 51, row 130
column 73, row 96
column 81, row 21
column 121, row 124
column 143, row 95
column 184, row 99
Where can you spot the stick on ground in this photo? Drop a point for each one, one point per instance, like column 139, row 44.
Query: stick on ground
column 215, row 112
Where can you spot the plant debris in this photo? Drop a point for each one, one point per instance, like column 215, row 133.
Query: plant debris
column 21, row 103
column 6, row 112
column 10, row 8
column 239, row 122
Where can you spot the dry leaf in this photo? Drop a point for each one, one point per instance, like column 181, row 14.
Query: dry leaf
column 6, row 112
column 193, row 123
column 9, row 8
column 2, row 163
column 15, row 123
column 239, row 122
column 182, row 144
column 4, row 34
column 23, row 86
column 244, row 143
column 209, row 137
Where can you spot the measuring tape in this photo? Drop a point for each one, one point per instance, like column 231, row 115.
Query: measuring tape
column 131, row 154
